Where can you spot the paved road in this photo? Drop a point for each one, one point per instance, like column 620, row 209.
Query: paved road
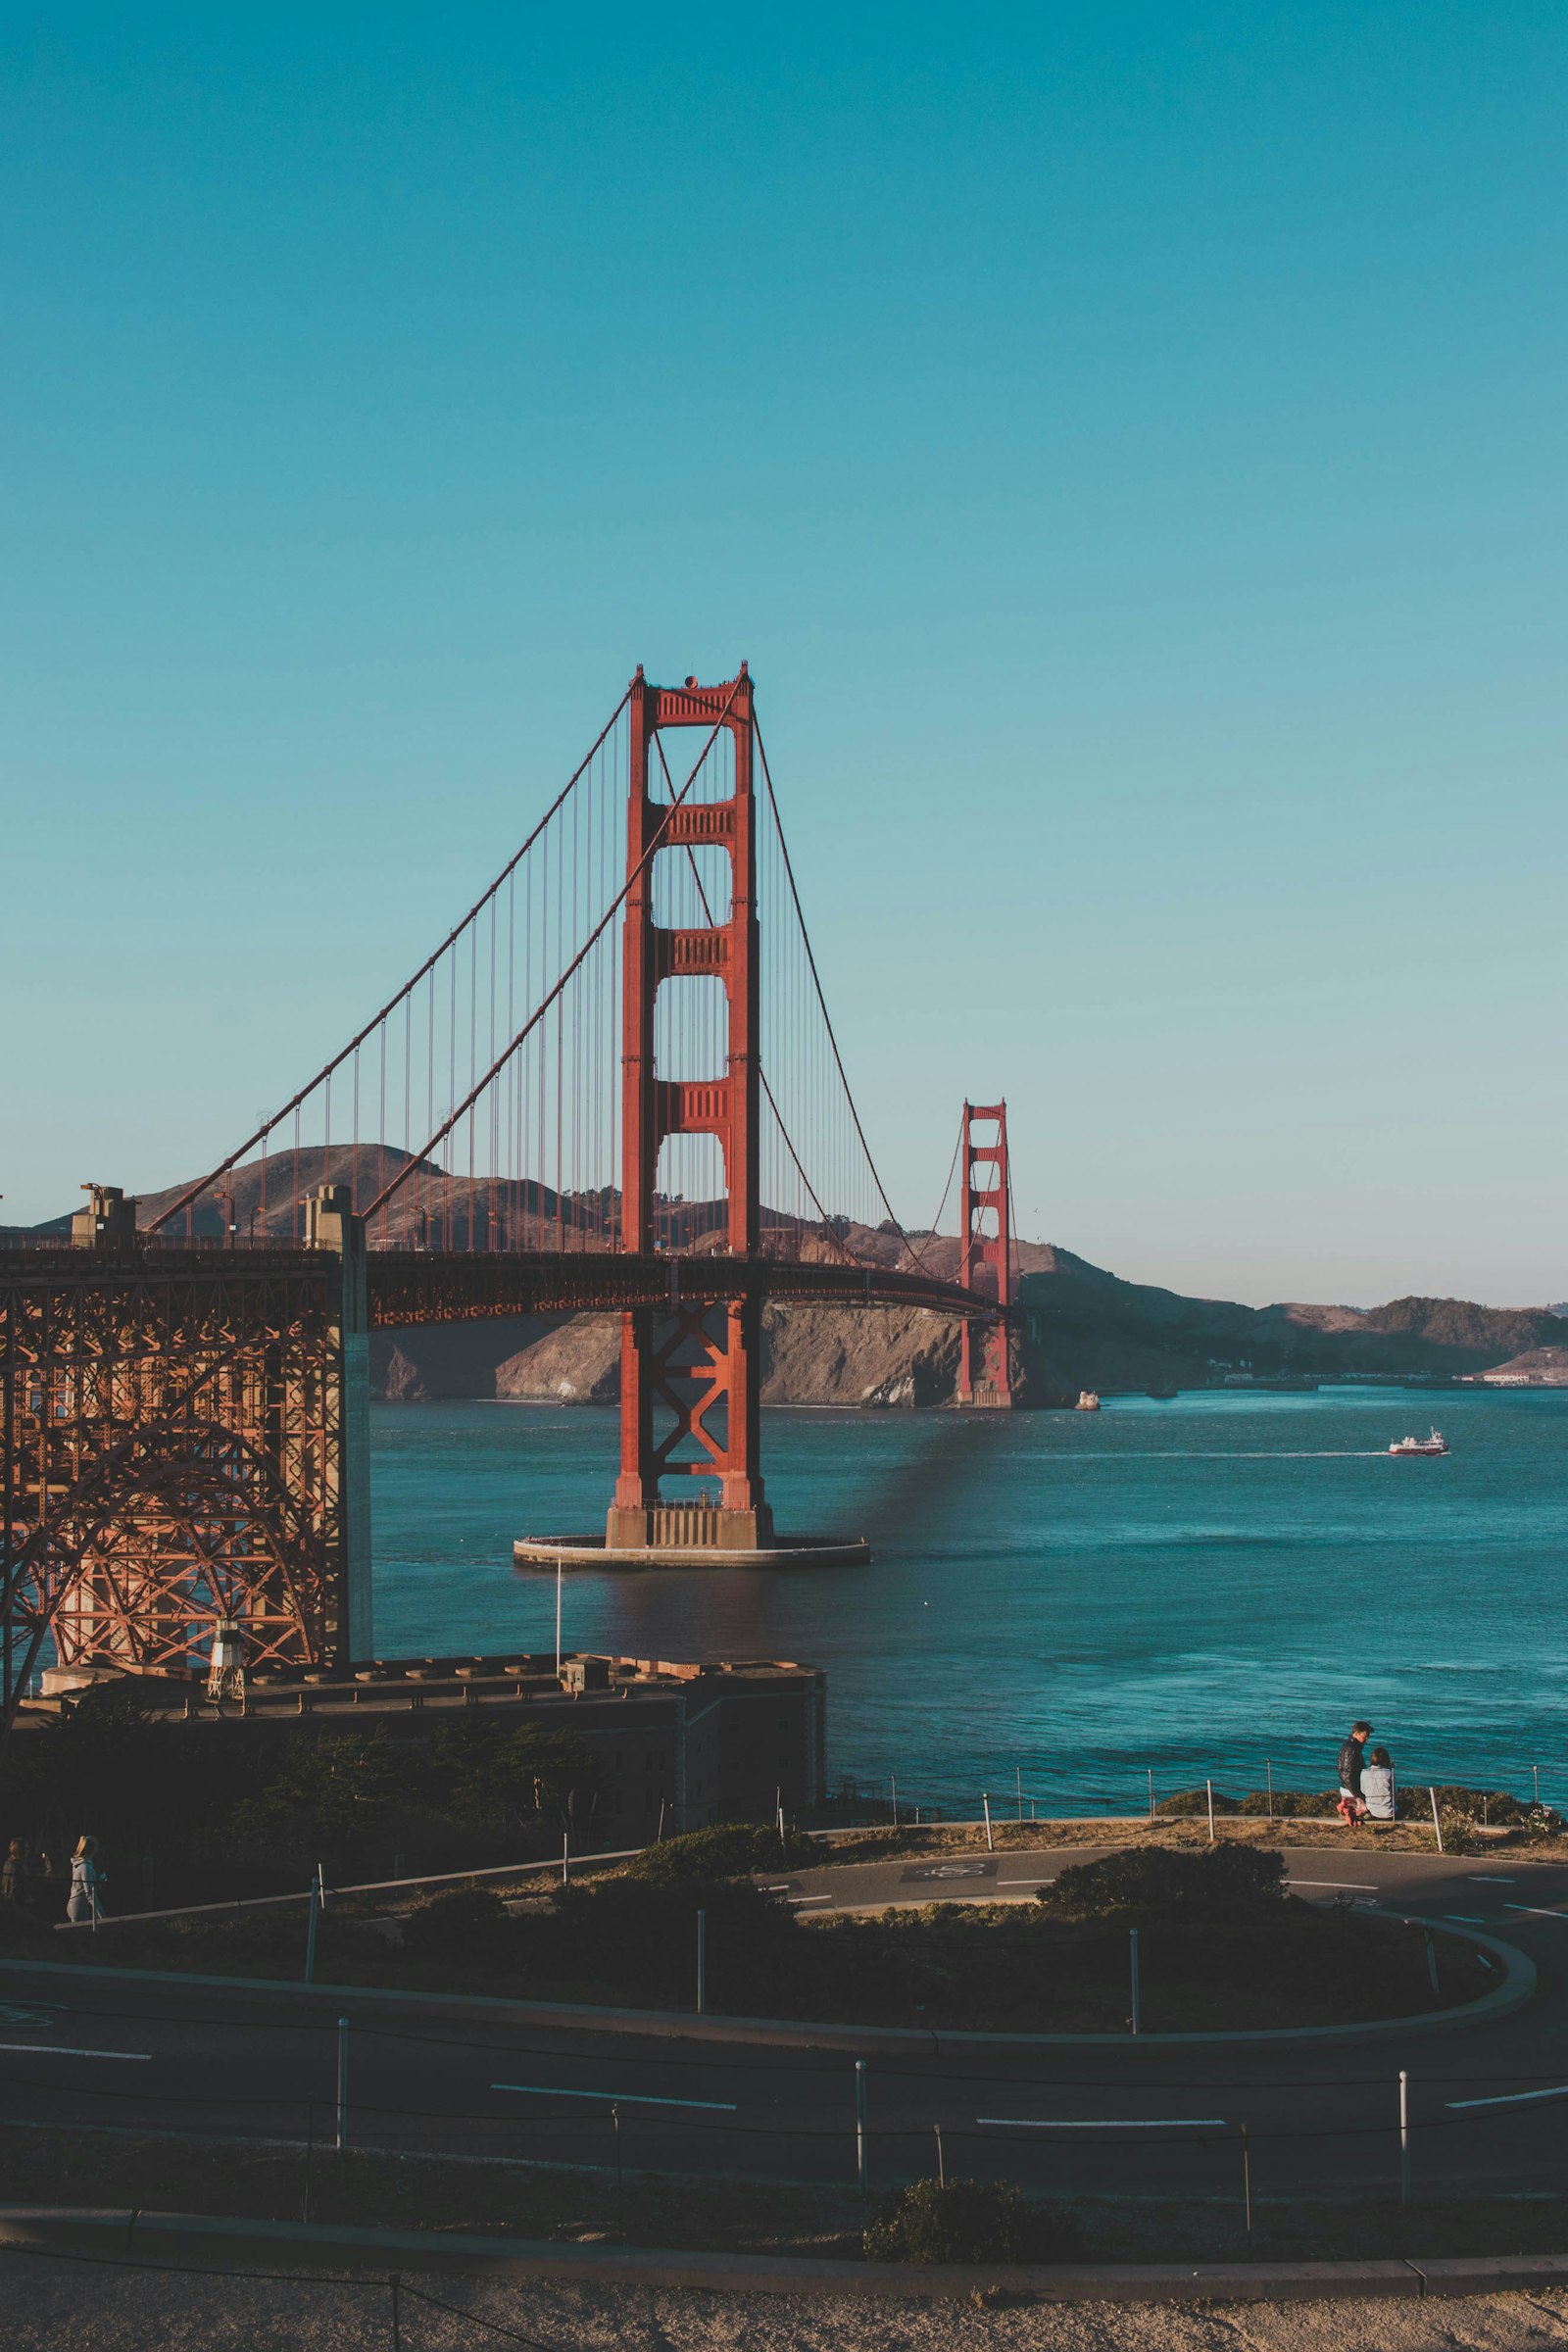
column 1130, row 2116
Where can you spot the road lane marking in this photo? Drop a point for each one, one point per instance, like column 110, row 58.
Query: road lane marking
column 1357, row 1885
column 1023, row 1882
column 1512, row 2098
column 1464, row 1919
column 618, row 2098
column 1533, row 1911
column 1489, row 1878
column 55, row 2049
column 1107, row 2123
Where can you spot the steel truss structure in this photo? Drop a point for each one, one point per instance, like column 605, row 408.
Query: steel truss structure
column 178, row 1448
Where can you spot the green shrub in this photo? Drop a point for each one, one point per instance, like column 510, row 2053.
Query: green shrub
column 1153, row 1882
column 19, row 1925
column 1189, row 1805
column 1493, row 1808
column 731, row 1849
column 1306, row 1803
column 454, row 1923
column 967, row 2221
column 639, row 1941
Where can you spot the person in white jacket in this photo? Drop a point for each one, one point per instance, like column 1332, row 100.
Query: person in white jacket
column 1377, row 1787
column 85, row 1881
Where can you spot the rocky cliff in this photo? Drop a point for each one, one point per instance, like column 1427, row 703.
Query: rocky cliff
column 1078, row 1326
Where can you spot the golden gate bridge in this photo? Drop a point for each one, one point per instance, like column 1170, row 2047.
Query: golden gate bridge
column 615, row 1086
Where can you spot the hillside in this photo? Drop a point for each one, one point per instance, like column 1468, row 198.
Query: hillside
column 1079, row 1326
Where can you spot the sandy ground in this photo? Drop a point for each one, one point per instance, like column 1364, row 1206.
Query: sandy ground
column 50, row 2304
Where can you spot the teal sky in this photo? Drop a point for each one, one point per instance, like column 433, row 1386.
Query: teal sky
column 1126, row 442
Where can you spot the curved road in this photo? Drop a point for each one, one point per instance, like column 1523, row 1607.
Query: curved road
column 1486, row 2103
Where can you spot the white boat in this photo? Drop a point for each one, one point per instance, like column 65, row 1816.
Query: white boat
column 1436, row 1443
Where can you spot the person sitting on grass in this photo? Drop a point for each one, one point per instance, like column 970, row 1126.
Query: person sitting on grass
column 1351, row 1808
column 1377, row 1788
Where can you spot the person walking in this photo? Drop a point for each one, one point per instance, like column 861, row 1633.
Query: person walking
column 1377, row 1788
column 85, row 1881
column 14, row 1873
column 1351, row 1808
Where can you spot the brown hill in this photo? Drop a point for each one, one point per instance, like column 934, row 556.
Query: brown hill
column 1078, row 1325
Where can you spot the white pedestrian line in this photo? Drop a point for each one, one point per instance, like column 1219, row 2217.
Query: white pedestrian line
column 618, row 2098
column 1360, row 1886
column 1489, row 1878
column 1534, row 1911
column 1512, row 2098
column 56, row 2049
column 798, row 1900
column 1107, row 2123
column 1023, row 1882
column 1464, row 1919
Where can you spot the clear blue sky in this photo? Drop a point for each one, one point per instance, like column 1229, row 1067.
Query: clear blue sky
column 1127, row 442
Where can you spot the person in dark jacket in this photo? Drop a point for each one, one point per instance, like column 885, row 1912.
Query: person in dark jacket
column 1351, row 1806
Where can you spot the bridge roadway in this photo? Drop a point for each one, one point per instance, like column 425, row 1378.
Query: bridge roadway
column 485, row 2081
column 418, row 1286
column 431, row 1286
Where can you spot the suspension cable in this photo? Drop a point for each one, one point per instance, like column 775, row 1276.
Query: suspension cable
column 193, row 1192
column 816, row 982
column 461, row 1109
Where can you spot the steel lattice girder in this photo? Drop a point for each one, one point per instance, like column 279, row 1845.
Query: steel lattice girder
column 174, row 1449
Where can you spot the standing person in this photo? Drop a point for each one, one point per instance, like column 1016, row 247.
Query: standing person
column 1377, row 1787
column 1351, row 1807
column 85, row 1880
column 14, row 1873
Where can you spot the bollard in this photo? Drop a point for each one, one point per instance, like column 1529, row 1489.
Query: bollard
column 1137, row 1989
column 1405, row 2138
column 342, row 2085
column 702, row 1962
column 991, row 1843
column 565, row 1857
column 863, row 2154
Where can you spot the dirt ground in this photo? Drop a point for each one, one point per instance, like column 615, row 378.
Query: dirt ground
column 49, row 2303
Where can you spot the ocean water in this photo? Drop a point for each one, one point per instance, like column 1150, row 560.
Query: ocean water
column 1065, row 1602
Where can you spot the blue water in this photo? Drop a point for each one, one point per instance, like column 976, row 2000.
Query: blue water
column 1074, row 1600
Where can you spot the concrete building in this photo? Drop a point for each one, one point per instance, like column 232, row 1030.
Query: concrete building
column 1537, row 1368
column 696, row 1742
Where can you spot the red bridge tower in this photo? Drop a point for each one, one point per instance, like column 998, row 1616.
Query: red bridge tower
column 986, row 1262
column 696, row 1369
